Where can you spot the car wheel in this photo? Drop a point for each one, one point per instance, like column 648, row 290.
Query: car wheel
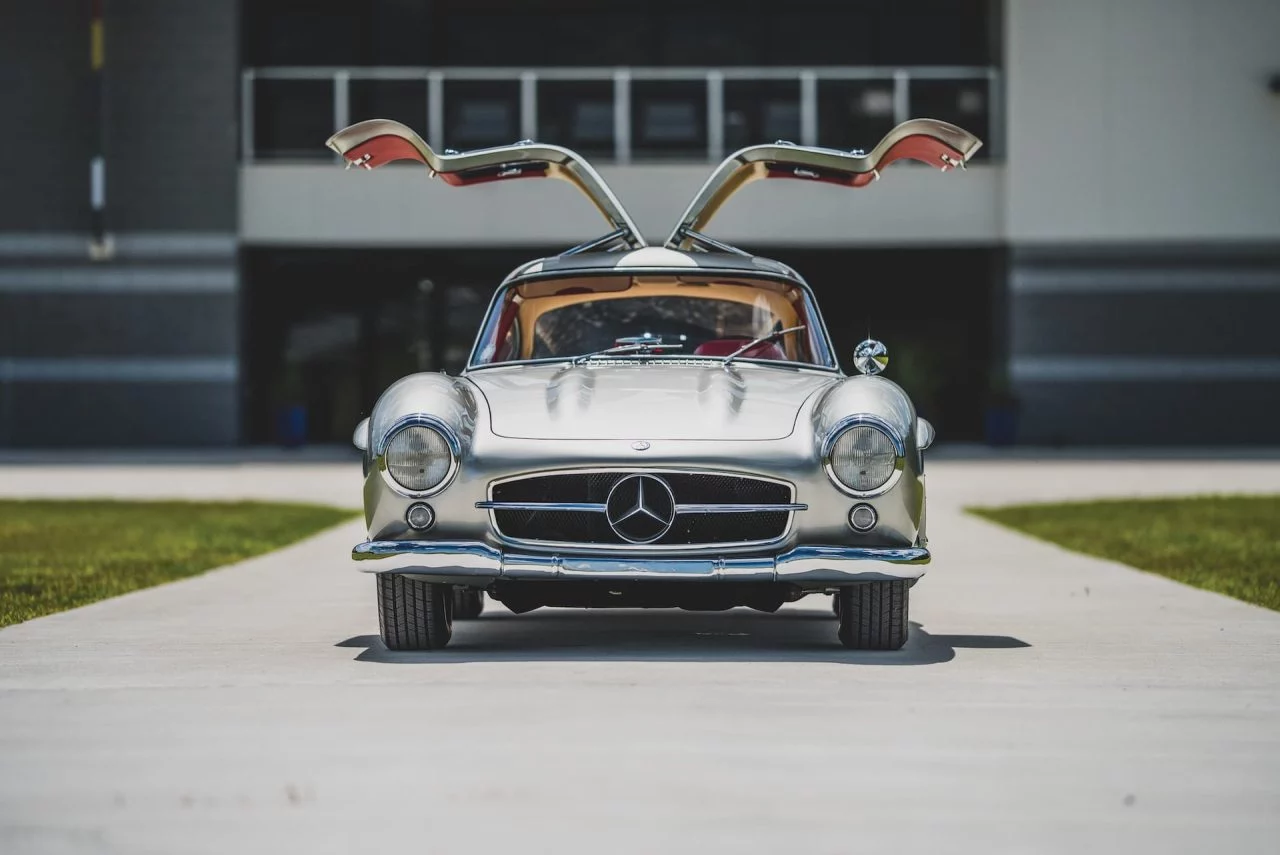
column 412, row 614
column 873, row 616
column 468, row 603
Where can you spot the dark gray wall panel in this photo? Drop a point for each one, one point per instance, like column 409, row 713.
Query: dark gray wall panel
column 1147, row 345
column 96, row 415
column 146, row 324
column 1170, row 323
column 46, row 99
column 1151, row 413
column 172, row 90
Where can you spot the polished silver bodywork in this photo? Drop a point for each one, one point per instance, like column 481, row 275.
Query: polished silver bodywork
column 376, row 142
column 752, row 418
column 949, row 147
column 655, row 417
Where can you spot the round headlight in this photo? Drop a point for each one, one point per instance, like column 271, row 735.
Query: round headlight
column 863, row 458
column 418, row 458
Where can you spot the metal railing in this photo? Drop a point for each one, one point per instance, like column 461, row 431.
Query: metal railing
column 685, row 113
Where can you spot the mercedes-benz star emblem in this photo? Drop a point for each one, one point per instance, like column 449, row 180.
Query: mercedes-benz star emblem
column 640, row 445
column 640, row 508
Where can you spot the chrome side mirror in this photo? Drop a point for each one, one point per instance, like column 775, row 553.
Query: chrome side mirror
column 360, row 438
column 870, row 357
column 924, row 434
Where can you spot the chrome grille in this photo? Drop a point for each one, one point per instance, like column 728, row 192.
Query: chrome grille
column 519, row 514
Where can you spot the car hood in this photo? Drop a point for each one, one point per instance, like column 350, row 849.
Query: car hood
column 646, row 401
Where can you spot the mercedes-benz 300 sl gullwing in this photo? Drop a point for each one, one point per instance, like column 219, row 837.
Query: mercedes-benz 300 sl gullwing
column 648, row 426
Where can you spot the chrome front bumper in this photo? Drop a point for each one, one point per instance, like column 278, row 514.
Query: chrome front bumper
column 469, row 562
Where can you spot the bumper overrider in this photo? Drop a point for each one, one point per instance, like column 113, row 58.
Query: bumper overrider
column 472, row 562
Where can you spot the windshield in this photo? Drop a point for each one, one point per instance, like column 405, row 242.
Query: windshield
column 676, row 317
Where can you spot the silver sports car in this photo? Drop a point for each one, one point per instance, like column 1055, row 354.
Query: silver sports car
column 644, row 426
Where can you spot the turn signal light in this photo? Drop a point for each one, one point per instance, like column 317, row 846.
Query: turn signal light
column 862, row 517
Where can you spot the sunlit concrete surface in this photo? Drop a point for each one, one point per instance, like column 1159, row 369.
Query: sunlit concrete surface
column 1046, row 702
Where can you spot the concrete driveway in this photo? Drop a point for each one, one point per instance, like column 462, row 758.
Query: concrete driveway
column 1046, row 702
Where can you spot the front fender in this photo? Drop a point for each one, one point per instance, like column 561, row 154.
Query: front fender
column 445, row 398
column 891, row 406
column 869, row 394
column 438, row 399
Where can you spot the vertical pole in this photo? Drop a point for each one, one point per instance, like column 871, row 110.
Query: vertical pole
column 808, row 108
column 99, row 244
column 435, row 110
column 995, row 115
column 715, row 116
column 622, row 115
column 528, row 105
column 246, row 115
column 901, row 96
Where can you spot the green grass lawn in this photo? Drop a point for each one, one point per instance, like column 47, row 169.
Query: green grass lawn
column 57, row 555
column 1228, row 544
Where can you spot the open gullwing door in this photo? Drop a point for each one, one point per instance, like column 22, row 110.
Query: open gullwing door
column 377, row 142
column 930, row 141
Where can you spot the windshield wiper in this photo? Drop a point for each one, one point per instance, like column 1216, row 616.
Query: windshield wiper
column 776, row 334
column 640, row 345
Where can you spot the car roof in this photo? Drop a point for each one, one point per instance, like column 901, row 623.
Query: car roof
column 652, row 259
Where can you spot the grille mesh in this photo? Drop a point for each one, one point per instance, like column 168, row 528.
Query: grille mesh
column 688, row 530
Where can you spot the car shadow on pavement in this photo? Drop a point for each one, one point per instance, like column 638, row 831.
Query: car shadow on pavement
column 598, row 635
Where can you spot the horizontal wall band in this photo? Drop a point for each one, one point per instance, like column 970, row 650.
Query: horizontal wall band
column 127, row 245
column 1040, row 369
column 1113, row 280
column 118, row 280
column 118, row 370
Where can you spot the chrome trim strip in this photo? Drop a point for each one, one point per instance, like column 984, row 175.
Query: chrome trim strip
column 588, row 507
column 805, row 565
column 728, row 508
column 465, row 552
column 592, row 507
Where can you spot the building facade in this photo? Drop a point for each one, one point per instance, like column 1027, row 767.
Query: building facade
column 1108, row 269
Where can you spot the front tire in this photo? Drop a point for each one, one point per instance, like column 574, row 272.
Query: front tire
column 468, row 603
column 412, row 614
column 873, row 616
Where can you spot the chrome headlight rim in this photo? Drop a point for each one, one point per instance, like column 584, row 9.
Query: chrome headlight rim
column 450, row 438
column 871, row 421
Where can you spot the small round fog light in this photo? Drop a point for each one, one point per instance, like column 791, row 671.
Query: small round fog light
column 420, row 516
column 862, row 517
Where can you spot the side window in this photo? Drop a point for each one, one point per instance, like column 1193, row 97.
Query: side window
column 509, row 348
